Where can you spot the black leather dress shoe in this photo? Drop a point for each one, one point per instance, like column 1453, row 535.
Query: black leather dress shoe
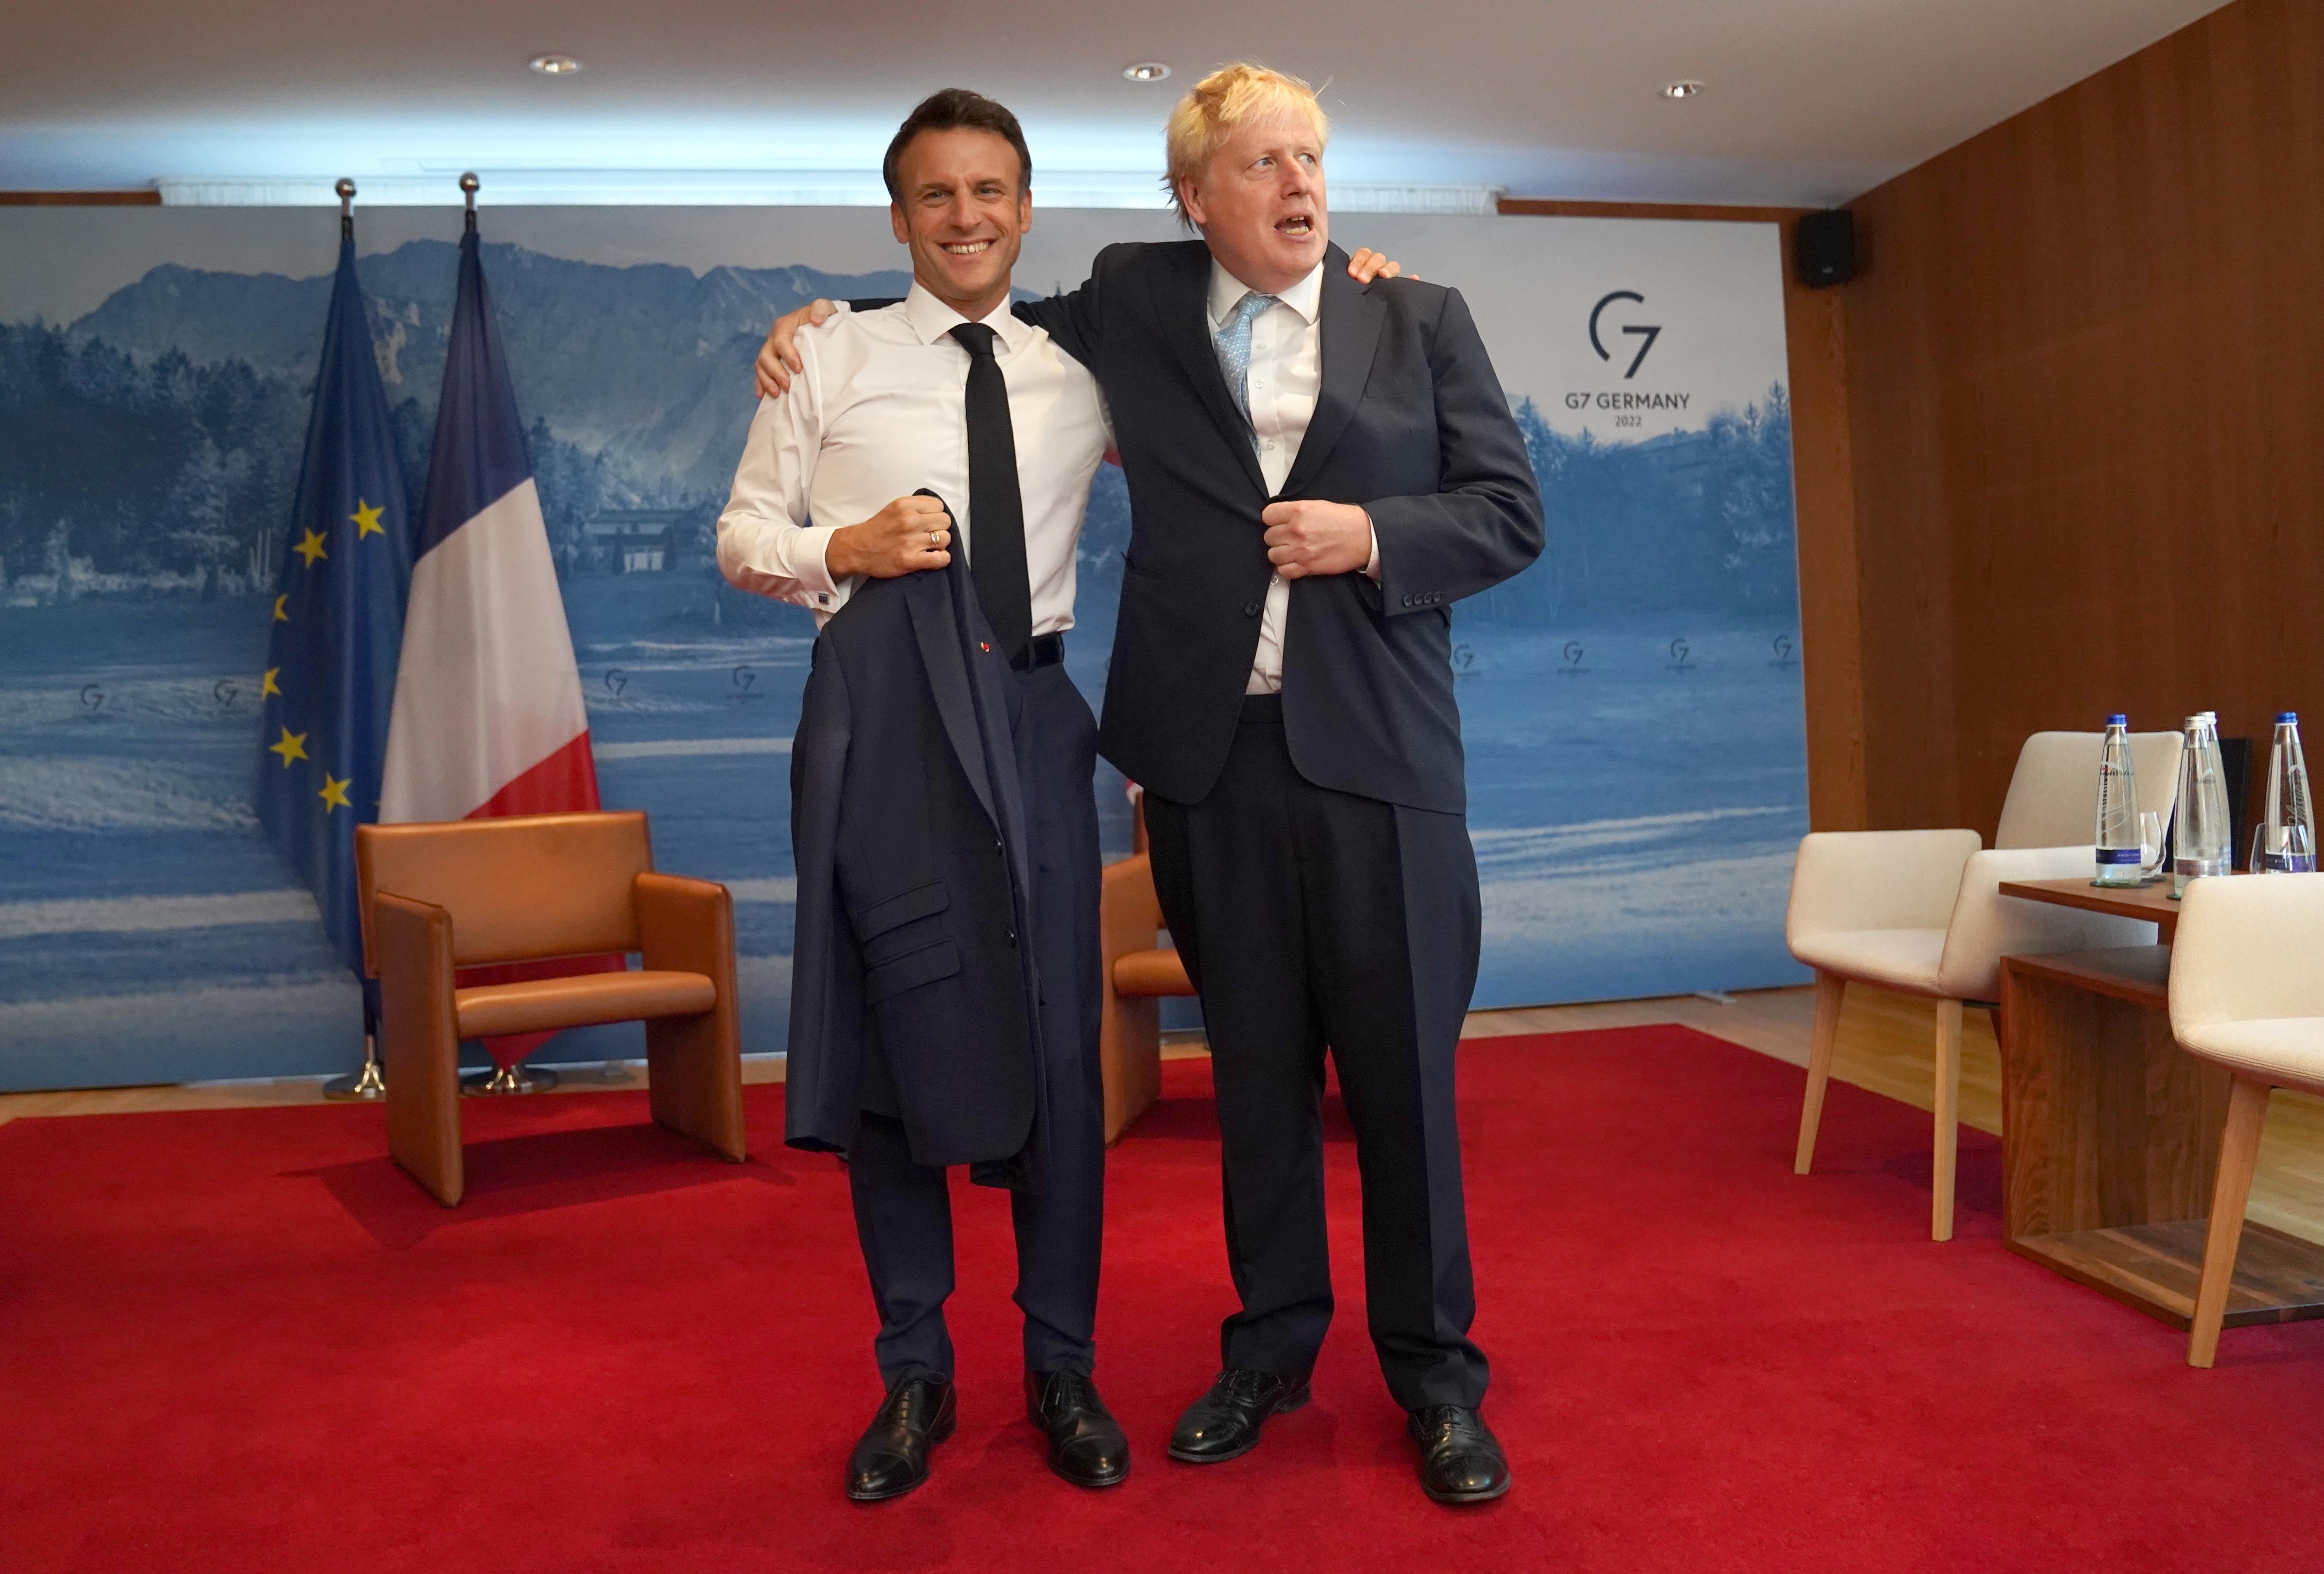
column 892, row 1457
column 1223, row 1424
column 1086, row 1444
column 1460, row 1460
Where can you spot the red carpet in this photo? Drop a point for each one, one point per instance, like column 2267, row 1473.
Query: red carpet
column 240, row 1340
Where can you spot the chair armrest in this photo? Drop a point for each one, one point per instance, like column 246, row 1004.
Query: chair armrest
column 1128, row 915
column 420, row 1041
column 1987, row 926
column 1848, row 880
column 411, row 942
column 2249, row 947
column 687, row 926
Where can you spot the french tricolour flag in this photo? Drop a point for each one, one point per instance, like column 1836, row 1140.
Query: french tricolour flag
column 488, row 716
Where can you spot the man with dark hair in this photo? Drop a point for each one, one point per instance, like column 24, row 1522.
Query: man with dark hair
column 947, row 394
column 954, row 109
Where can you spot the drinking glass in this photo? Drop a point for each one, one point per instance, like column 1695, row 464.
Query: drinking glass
column 2153, row 849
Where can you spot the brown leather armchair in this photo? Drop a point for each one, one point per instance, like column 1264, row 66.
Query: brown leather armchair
column 439, row 897
column 1138, row 974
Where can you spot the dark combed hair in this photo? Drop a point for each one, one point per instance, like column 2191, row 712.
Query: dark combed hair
column 953, row 109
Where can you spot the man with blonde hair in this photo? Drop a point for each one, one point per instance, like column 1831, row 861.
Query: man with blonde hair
column 1317, row 470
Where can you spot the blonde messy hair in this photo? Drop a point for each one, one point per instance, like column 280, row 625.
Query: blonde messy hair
column 1227, row 98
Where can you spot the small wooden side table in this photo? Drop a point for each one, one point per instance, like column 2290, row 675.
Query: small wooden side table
column 2110, row 1132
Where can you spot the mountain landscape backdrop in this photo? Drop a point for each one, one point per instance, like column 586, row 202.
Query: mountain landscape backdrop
column 152, row 445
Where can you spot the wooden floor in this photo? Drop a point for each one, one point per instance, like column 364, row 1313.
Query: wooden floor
column 1885, row 1045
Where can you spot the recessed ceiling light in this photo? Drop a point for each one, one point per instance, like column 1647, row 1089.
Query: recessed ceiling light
column 556, row 65
column 1145, row 71
column 1684, row 89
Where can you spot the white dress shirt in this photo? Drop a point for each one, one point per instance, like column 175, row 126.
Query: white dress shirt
column 1287, row 374
column 878, row 411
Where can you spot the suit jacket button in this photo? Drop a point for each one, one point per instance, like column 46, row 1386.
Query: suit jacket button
column 1250, row 609
column 1012, row 939
column 1407, row 601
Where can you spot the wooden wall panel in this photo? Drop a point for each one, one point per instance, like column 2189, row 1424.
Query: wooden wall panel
column 1823, row 490
column 2086, row 395
column 80, row 199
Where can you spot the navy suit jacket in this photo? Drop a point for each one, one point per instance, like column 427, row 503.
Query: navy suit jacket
column 908, row 833
column 1411, row 422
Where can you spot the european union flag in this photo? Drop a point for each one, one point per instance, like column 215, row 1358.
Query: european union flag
column 338, row 621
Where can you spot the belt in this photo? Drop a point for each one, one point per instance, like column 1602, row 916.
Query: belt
column 1046, row 651
column 1262, row 710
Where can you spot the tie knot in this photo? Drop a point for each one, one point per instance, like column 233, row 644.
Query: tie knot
column 976, row 339
column 1250, row 306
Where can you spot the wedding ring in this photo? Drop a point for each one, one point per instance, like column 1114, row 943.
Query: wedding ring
column 932, row 541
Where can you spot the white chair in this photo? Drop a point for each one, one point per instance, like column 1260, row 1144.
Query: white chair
column 1920, row 912
column 2246, row 992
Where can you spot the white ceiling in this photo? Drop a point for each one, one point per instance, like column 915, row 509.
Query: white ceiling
column 1808, row 101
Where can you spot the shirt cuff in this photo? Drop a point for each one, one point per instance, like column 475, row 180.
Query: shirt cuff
column 1371, row 566
column 809, row 550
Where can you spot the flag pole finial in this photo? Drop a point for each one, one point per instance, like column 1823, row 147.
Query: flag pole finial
column 468, row 184
column 347, row 191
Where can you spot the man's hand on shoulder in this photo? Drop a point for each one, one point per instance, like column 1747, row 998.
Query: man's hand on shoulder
column 779, row 357
column 1309, row 537
column 1368, row 264
column 910, row 534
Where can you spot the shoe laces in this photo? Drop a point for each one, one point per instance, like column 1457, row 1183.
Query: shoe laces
column 1246, row 1384
column 915, row 1402
column 1068, row 1389
column 1437, row 1422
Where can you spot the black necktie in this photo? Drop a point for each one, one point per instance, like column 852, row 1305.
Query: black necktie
column 996, row 557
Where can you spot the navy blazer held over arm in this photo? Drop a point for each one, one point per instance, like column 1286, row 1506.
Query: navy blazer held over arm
column 1411, row 422
column 908, row 830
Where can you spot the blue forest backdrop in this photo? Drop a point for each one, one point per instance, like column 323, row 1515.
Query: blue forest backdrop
column 1631, row 703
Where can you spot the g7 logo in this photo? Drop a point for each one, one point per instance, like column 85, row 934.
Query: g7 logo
column 1646, row 334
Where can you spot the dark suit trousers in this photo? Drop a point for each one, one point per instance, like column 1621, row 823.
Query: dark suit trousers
column 903, row 1210
column 1309, row 918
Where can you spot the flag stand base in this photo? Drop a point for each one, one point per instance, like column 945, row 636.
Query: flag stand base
column 503, row 1079
column 366, row 1083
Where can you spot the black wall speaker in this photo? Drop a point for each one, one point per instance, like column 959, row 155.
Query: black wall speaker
column 1823, row 247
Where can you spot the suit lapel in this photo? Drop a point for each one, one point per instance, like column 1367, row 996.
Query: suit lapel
column 1182, row 307
column 929, row 598
column 1348, row 324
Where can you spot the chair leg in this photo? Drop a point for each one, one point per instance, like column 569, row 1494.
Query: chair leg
column 2238, row 1155
column 1830, row 988
column 1948, row 1120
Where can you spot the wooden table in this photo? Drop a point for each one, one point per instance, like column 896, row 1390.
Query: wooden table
column 2110, row 1132
column 2151, row 901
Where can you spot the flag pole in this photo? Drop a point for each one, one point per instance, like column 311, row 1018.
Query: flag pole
column 518, row 1077
column 366, row 1083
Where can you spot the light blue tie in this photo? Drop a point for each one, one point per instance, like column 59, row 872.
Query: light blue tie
column 1234, row 342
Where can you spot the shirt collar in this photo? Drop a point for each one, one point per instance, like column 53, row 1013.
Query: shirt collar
column 931, row 319
column 1306, row 297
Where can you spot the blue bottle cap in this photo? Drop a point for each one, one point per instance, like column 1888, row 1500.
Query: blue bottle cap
column 2290, row 716
column 2117, row 720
